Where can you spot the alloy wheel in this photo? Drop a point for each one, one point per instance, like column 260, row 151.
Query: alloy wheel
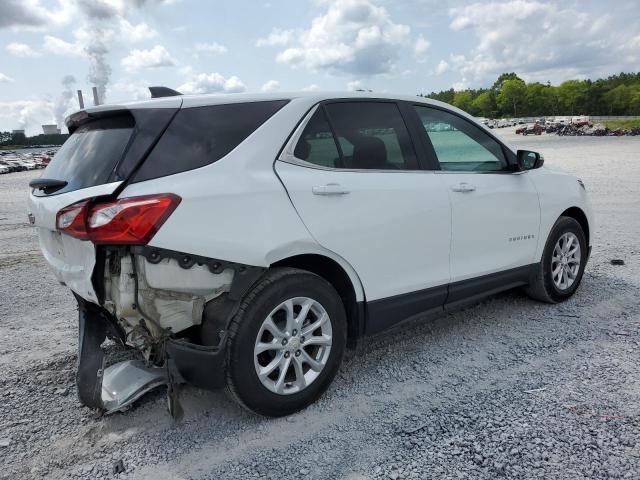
column 293, row 345
column 565, row 261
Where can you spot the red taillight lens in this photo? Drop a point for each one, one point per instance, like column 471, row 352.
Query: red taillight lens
column 128, row 221
column 72, row 220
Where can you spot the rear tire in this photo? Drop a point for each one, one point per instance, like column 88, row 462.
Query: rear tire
column 558, row 275
column 269, row 334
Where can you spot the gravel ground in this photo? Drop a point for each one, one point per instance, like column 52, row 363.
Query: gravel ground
column 509, row 388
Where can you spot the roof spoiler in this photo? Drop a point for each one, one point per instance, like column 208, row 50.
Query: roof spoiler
column 157, row 92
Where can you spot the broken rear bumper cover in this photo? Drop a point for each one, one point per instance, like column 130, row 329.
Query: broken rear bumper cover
column 115, row 387
column 171, row 357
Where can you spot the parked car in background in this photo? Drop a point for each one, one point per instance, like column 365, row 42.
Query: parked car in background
column 534, row 129
column 247, row 240
column 580, row 120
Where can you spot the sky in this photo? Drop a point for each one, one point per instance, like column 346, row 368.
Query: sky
column 51, row 48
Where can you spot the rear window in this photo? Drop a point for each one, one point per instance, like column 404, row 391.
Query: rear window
column 199, row 136
column 91, row 153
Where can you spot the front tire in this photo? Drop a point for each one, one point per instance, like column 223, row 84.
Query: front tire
column 563, row 261
column 285, row 343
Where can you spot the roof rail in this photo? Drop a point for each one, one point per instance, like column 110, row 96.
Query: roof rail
column 157, row 92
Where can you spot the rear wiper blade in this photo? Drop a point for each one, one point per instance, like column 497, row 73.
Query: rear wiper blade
column 47, row 185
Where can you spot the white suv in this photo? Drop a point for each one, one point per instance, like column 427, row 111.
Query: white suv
column 247, row 240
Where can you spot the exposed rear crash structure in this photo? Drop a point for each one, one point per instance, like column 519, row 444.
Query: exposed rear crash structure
column 172, row 307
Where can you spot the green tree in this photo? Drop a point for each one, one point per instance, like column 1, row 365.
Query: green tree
column 463, row 100
column 635, row 100
column 497, row 85
column 18, row 138
column 4, row 138
column 572, row 94
column 619, row 99
column 512, row 95
column 540, row 99
column 445, row 96
column 485, row 104
column 616, row 94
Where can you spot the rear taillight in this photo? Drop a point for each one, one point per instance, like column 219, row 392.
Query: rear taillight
column 72, row 220
column 128, row 221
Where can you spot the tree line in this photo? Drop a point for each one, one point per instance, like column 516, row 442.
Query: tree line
column 510, row 96
column 20, row 140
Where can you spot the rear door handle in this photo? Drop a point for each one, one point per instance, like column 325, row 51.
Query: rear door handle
column 329, row 189
column 463, row 187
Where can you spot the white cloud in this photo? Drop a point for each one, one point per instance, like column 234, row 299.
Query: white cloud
column 58, row 46
column 311, row 88
column 442, row 67
column 136, row 33
column 155, row 57
column 213, row 47
column 354, row 36
column 212, row 83
column 129, row 89
column 277, row 37
column 270, row 86
column 543, row 40
column 5, row 78
column 421, row 46
column 18, row 49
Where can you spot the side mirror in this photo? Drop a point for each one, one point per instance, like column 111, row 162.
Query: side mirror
column 528, row 160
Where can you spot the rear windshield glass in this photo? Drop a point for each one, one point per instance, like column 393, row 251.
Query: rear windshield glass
column 199, row 136
column 90, row 154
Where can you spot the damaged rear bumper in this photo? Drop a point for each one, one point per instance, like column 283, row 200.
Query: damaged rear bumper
column 115, row 387
column 173, row 308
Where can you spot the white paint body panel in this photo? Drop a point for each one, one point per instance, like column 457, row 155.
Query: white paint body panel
column 501, row 206
column 393, row 227
column 71, row 260
column 558, row 191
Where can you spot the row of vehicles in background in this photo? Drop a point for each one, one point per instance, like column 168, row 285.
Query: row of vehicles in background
column 578, row 120
column 12, row 161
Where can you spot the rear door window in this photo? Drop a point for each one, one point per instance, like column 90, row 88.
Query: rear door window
column 372, row 136
column 199, row 136
column 91, row 153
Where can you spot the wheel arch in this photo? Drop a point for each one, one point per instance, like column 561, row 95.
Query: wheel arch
column 331, row 270
column 579, row 216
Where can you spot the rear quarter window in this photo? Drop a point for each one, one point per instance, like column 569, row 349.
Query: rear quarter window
column 199, row 136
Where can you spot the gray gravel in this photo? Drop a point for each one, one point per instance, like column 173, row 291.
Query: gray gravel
column 509, row 388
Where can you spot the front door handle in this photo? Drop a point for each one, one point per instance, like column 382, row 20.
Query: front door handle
column 463, row 187
column 329, row 189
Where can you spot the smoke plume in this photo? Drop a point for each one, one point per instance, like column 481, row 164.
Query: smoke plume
column 63, row 102
column 99, row 69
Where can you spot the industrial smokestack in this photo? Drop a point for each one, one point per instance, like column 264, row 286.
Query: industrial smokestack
column 80, row 100
column 96, row 100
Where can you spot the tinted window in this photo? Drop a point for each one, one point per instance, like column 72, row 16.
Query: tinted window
column 316, row 144
column 91, row 153
column 460, row 145
column 372, row 135
column 202, row 135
